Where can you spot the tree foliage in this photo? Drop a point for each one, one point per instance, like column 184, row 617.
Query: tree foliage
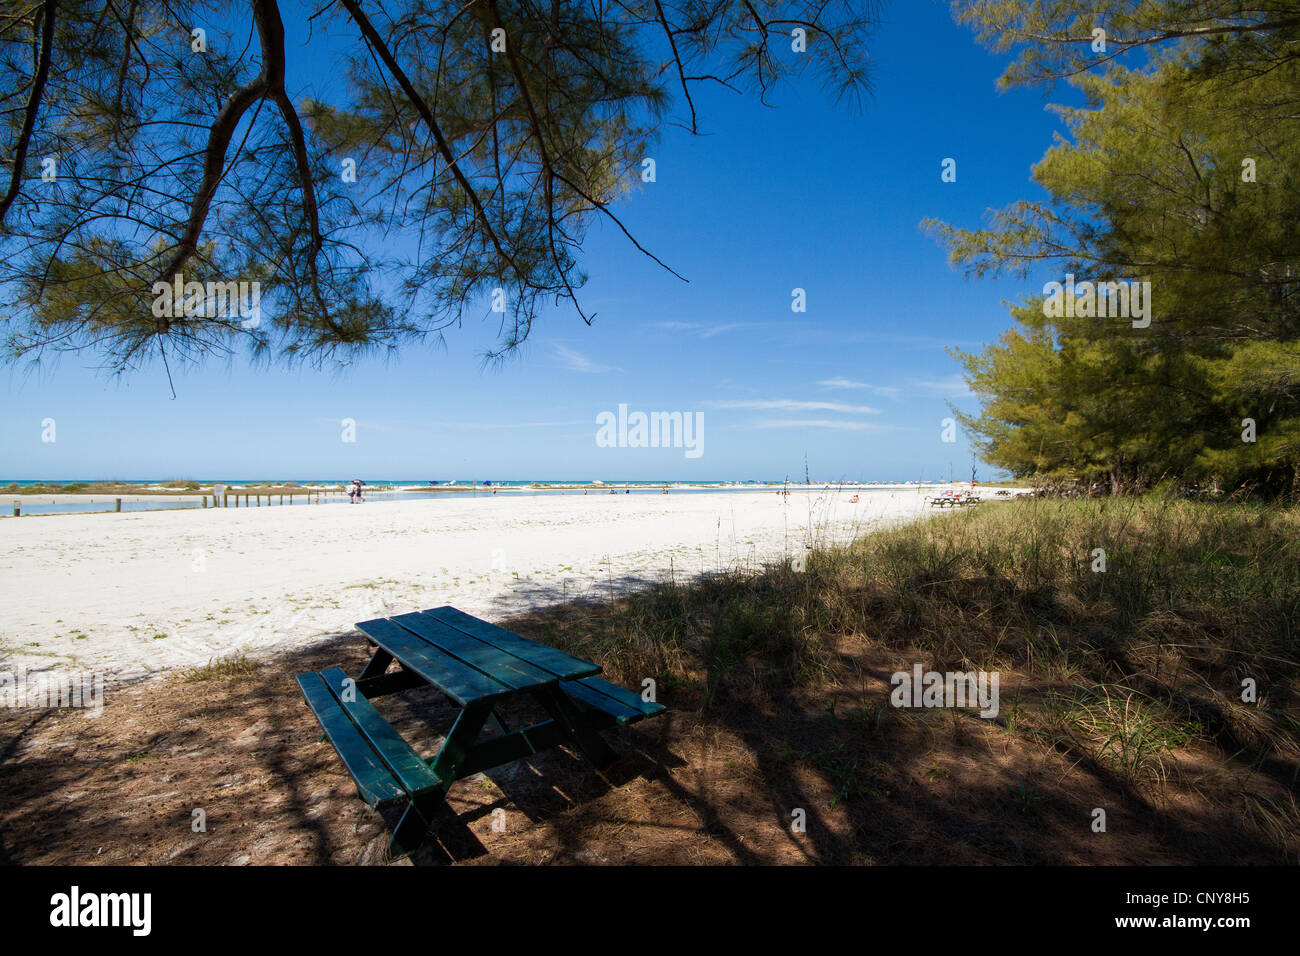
column 1184, row 177
column 487, row 136
column 1057, row 39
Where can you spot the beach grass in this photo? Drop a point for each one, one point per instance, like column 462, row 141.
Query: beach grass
column 1183, row 649
column 232, row 666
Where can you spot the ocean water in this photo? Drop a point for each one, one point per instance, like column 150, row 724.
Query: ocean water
column 401, row 490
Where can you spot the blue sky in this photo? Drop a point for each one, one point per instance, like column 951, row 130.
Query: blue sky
column 806, row 195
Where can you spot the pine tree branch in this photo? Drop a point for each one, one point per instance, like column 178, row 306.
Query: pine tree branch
column 48, row 9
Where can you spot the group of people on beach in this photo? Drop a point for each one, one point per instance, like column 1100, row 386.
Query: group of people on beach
column 354, row 491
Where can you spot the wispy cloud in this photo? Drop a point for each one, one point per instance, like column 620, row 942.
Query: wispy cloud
column 792, row 405
column 418, row 425
column 509, row 424
column 842, row 337
column 577, row 362
column 888, row 391
column 954, row 386
column 843, row 424
column 705, row 330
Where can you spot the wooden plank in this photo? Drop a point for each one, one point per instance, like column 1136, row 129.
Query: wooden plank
column 453, row 677
column 562, row 665
column 375, row 782
column 591, row 698
column 407, row 766
column 621, row 695
column 498, row 664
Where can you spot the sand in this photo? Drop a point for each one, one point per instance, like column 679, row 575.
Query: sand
column 124, row 595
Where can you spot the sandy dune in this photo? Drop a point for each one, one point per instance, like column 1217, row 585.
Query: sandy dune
column 126, row 594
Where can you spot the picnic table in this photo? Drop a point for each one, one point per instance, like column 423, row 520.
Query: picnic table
column 482, row 668
column 952, row 500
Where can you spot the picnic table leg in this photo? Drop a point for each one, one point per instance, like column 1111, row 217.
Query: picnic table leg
column 575, row 725
column 460, row 740
column 377, row 664
column 415, row 824
column 497, row 723
column 417, row 819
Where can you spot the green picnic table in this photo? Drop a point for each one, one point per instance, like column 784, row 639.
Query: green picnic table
column 482, row 668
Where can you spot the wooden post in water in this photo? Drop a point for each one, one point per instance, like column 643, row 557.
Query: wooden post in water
column 225, row 499
column 204, row 499
column 18, row 510
column 259, row 499
column 117, row 504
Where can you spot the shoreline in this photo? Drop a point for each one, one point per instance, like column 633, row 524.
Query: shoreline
column 387, row 495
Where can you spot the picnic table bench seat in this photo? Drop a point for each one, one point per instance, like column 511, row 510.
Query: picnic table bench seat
column 385, row 767
column 618, row 704
column 479, row 666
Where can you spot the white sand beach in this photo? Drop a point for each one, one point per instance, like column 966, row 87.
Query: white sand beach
column 132, row 593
